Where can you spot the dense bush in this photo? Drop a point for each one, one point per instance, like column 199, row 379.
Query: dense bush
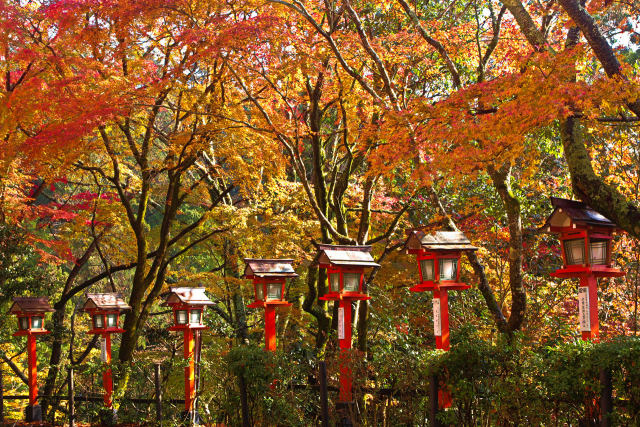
column 505, row 383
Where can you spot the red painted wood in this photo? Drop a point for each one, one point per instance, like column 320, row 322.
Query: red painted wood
column 107, row 379
column 442, row 341
column 591, row 282
column 189, row 370
column 270, row 328
column 346, row 376
column 33, row 369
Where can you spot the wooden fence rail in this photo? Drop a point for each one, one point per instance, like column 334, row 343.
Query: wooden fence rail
column 607, row 403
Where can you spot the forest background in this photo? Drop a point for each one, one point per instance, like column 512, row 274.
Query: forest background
column 148, row 144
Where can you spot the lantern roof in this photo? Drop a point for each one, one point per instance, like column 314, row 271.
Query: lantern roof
column 345, row 255
column 268, row 268
column 188, row 296
column 568, row 213
column 105, row 301
column 31, row 305
column 440, row 240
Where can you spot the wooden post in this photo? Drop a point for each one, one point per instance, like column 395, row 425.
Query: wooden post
column 33, row 370
column 270, row 328
column 591, row 330
column 72, row 406
column 441, row 319
column 441, row 332
column 433, row 400
column 344, row 339
column 107, row 380
column 324, row 398
column 244, row 402
column 606, row 399
column 158, row 380
column 189, row 371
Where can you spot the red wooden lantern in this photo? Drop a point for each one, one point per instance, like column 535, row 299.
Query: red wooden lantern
column 269, row 276
column 188, row 305
column 30, row 312
column 105, row 310
column 585, row 237
column 345, row 267
column 438, row 257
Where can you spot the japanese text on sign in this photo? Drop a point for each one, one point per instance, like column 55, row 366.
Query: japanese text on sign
column 103, row 349
column 583, row 309
column 437, row 318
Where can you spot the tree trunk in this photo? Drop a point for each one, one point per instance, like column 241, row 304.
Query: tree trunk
column 502, row 181
column 316, row 280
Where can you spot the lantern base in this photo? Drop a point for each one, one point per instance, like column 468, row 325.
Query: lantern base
column 335, row 296
column 439, row 286
column 347, row 412
column 108, row 417
column 188, row 416
column 33, row 413
column 594, row 270
column 264, row 304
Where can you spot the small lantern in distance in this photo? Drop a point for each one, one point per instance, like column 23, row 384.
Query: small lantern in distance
column 585, row 238
column 269, row 277
column 30, row 312
column 345, row 267
column 105, row 310
column 188, row 305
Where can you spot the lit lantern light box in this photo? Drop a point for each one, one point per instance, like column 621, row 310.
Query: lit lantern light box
column 585, row 236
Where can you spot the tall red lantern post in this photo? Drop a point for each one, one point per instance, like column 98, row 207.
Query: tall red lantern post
column 30, row 312
column 188, row 304
column 105, row 310
column 438, row 257
column 345, row 267
column 585, row 237
column 269, row 277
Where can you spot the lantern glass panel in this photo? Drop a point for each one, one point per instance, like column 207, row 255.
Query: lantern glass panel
column 598, row 252
column 196, row 316
column 448, row 268
column 351, row 281
column 334, row 280
column 23, row 323
column 36, row 322
column 112, row 320
column 274, row 291
column 259, row 292
column 98, row 321
column 181, row 317
column 574, row 251
column 426, row 267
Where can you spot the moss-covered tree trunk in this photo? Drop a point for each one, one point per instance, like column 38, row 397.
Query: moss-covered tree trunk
column 502, row 182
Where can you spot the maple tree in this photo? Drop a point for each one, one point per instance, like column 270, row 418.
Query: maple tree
column 143, row 144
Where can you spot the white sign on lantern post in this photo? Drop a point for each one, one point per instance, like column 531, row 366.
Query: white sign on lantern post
column 437, row 318
column 103, row 349
column 583, row 309
column 341, row 323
